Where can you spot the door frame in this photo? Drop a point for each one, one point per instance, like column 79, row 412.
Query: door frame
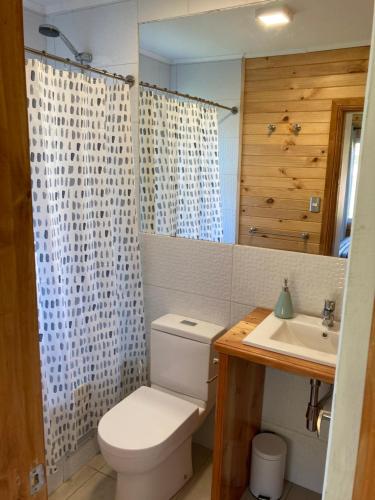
column 334, row 159
column 21, row 416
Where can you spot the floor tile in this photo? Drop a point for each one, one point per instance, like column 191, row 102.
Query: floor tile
column 248, row 496
column 199, row 486
column 299, row 493
column 99, row 487
column 73, row 484
column 99, row 464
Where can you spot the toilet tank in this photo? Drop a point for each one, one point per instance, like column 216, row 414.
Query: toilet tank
column 182, row 356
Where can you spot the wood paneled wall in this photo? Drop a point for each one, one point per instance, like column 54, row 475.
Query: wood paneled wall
column 281, row 171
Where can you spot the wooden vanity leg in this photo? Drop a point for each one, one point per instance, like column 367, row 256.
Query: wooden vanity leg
column 238, row 418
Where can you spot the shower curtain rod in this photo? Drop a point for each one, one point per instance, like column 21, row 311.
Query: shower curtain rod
column 233, row 110
column 129, row 79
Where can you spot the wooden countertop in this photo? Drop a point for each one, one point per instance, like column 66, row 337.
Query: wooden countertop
column 231, row 344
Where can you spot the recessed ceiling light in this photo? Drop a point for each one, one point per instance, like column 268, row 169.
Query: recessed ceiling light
column 274, row 16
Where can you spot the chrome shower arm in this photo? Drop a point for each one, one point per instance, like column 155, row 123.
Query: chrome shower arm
column 69, row 44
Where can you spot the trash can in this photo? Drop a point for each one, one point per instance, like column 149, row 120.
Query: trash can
column 268, row 456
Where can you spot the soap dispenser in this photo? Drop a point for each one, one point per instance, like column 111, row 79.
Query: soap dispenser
column 284, row 306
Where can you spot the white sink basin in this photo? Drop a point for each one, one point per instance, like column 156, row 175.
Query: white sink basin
column 303, row 337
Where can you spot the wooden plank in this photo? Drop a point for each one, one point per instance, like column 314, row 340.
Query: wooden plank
column 283, row 182
column 290, row 106
column 231, row 344
column 278, row 203
column 331, row 68
column 275, row 213
column 304, row 94
column 288, row 139
column 280, row 192
column 281, row 224
column 279, row 244
column 320, row 57
column 283, row 90
column 289, row 149
column 285, row 116
column 285, row 128
column 343, row 80
column 280, row 161
column 238, row 419
column 21, row 420
column 285, row 172
column 364, row 483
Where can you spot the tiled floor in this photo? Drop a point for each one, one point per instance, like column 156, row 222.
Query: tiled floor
column 96, row 481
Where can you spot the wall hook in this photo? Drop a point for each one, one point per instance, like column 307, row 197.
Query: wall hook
column 271, row 128
column 296, row 128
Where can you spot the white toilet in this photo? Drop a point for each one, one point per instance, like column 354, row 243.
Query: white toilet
column 146, row 438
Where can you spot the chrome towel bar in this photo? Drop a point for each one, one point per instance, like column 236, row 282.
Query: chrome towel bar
column 253, row 231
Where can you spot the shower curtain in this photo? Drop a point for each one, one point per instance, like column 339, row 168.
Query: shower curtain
column 90, row 296
column 179, row 167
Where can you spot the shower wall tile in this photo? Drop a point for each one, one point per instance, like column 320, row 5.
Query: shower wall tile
column 198, row 267
column 160, row 301
column 258, row 275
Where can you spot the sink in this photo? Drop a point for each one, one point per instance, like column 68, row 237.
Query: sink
column 302, row 337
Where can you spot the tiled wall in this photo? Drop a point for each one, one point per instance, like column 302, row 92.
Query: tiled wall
column 222, row 283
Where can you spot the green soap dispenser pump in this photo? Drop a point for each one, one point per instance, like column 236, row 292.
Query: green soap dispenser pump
column 284, row 306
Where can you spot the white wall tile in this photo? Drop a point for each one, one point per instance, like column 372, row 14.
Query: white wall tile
column 285, row 401
column 33, row 38
column 191, row 266
column 228, row 191
column 229, row 225
column 239, row 311
column 160, row 301
column 305, row 457
column 258, row 275
column 110, row 32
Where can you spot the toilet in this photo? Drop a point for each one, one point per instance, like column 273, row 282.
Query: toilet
column 146, row 438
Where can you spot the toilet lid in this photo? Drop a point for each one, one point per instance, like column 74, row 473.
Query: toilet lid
column 147, row 421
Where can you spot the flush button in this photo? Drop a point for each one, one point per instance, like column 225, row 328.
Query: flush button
column 188, row 323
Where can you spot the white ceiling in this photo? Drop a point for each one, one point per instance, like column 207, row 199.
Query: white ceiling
column 317, row 25
column 55, row 6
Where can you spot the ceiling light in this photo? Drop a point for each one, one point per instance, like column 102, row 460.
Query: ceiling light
column 274, row 16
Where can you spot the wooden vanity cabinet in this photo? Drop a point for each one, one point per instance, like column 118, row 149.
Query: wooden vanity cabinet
column 240, row 400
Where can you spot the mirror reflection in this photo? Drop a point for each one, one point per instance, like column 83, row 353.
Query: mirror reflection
column 279, row 173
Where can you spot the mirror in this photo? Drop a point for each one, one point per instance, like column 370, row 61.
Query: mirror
column 279, row 173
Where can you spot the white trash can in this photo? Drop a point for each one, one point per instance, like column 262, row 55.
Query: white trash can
column 268, row 456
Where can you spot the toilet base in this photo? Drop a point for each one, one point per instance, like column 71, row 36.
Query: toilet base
column 160, row 483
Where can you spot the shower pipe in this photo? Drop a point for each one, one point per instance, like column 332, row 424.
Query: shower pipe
column 233, row 109
column 129, row 79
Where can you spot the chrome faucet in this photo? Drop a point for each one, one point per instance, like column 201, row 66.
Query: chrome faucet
column 327, row 313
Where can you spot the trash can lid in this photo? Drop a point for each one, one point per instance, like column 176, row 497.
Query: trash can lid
column 269, row 446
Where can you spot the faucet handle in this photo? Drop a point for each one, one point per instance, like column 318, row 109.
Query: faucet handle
column 329, row 305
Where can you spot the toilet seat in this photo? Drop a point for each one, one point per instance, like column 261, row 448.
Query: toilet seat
column 140, row 431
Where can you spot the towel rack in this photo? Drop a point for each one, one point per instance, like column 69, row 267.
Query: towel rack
column 254, row 230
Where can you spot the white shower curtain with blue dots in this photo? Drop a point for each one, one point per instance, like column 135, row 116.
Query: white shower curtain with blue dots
column 179, row 167
column 90, row 295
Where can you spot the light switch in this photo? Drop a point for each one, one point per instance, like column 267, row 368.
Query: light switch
column 315, row 202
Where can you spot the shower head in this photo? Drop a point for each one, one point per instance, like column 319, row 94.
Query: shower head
column 49, row 30
column 53, row 32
